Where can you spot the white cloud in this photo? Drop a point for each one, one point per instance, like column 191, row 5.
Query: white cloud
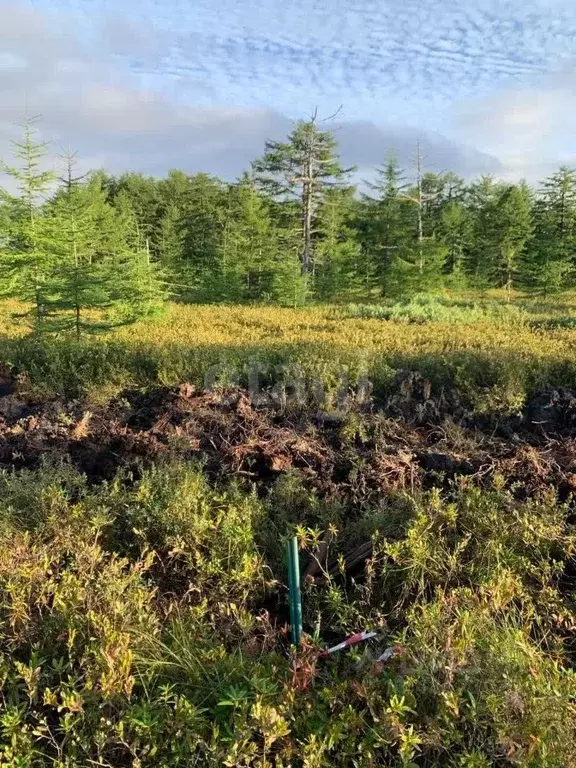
column 530, row 129
column 88, row 102
column 401, row 57
column 12, row 61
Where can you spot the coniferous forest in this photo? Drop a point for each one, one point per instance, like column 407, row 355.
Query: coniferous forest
column 292, row 230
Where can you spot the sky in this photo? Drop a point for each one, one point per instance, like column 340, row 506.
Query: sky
column 488, row 86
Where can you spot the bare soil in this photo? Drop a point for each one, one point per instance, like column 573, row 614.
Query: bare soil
column 409, row 441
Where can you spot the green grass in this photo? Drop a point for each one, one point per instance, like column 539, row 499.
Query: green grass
column 434, row 309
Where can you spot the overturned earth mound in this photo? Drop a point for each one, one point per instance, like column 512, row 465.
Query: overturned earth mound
column 354, row 456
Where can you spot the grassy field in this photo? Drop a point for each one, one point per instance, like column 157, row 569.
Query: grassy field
column 143, row 606
column 491, row 352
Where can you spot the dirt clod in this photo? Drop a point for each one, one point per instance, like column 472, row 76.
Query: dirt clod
column 356, row 458
column 7, row 382
column 551, row 409
column 442, row 462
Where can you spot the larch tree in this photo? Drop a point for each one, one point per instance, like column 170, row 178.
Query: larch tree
column 250, row 244
column 547, row 266
column 82, row 278
column 424, row 269
column 338, row 252
column 551, row 260
column 142, row 193
column 302, row 168
column 513, row 231
column 455, row 229
column 385, row 225
column 205, row 214
column 140, row 286
column 171, row 237
column 440, row 190
column 482, row 204
column 172, row 234
column 24, row 261
column 419, row 199
column 421, row 196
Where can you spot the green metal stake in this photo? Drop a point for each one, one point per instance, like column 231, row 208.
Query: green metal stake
column 294, row 587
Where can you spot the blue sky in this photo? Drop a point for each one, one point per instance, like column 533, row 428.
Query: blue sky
column 487, row 82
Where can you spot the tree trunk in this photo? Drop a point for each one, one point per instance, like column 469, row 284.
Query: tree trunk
column 308, row 199
column 509, row 268
column 307, row 222
column 420, row 202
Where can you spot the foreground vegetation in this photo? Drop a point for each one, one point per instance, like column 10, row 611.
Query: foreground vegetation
column 142, row 530
column 133, row 630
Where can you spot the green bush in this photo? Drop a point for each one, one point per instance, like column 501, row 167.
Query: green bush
column 435, row 309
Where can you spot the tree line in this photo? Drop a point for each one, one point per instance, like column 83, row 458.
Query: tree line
column 292, row 229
